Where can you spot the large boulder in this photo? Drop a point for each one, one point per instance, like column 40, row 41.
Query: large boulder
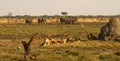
column 111, row 31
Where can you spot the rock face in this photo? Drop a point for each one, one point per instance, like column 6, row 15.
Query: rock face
column 111, row 31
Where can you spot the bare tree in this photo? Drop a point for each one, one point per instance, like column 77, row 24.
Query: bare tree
column 27, row 46
column 9, row 15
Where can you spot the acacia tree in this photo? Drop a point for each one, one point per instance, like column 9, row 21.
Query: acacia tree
column 64, row 13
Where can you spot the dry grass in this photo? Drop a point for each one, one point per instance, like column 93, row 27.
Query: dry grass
column 11, row 48
column 76, row 51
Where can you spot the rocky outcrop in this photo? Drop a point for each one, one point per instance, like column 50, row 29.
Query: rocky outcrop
column 111, row 31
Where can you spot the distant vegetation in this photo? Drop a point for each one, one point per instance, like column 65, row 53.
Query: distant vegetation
column 64, row 13
column 64, row 18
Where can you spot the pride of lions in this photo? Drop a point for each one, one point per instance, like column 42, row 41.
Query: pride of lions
column 53, row 41
column 47, row 42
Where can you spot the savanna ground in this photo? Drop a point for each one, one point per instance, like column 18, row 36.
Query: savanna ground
column 11, row 48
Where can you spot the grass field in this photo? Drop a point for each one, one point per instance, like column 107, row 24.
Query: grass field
column 22, row 31
column 11, row 48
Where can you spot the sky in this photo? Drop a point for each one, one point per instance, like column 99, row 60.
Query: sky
column 55, row 7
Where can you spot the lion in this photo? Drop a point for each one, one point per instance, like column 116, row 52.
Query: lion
column 48, row 42
column 64, row 40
